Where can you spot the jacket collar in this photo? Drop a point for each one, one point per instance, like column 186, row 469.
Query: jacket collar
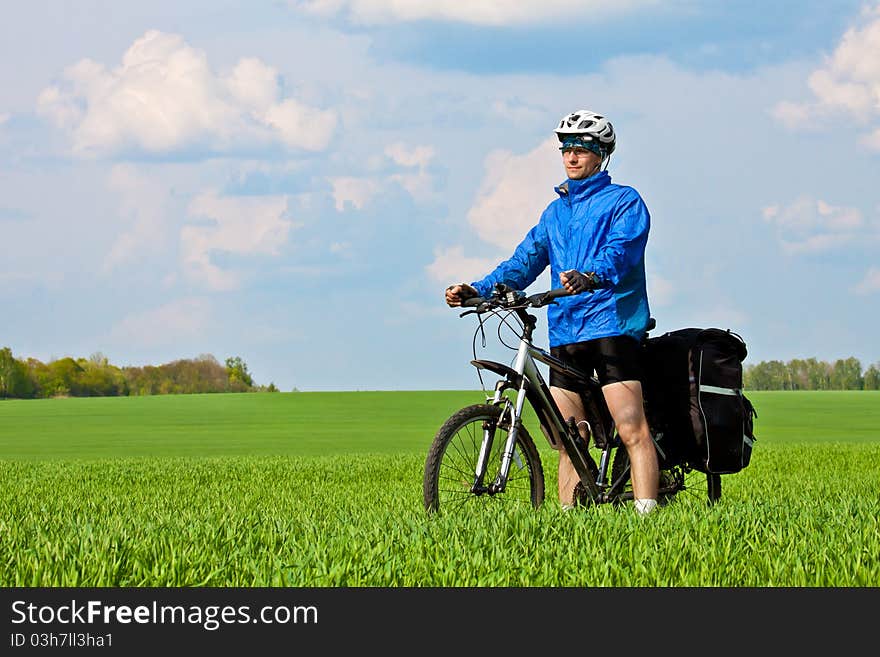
column 579, row 189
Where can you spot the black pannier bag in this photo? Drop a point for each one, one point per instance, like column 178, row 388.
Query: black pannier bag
column 694, row 399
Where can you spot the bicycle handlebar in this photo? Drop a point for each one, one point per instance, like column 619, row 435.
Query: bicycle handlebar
column 506, row 297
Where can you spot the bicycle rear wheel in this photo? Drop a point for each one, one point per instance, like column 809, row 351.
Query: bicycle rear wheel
column 452, row 460
column 677, row 482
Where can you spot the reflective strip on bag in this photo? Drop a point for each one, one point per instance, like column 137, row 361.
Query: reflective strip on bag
column 720, row 391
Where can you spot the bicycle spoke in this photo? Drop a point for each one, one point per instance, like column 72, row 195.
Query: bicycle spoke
column 452, row 463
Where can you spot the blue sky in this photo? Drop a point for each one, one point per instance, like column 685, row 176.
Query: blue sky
column 296, row 182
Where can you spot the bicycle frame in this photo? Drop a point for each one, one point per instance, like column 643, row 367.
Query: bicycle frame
column 526, row 379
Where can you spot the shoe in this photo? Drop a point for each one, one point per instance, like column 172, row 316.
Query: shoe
column 644, row 507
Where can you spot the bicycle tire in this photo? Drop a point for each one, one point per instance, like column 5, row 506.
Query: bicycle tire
column 452, row 459
column 682, row 481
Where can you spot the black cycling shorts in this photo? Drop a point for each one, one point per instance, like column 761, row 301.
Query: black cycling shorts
column 614, row 359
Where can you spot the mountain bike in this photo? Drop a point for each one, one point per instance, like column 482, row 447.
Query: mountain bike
column 484, row 454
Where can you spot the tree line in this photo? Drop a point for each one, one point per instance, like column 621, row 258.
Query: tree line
column 97, row 377
column 811, row 374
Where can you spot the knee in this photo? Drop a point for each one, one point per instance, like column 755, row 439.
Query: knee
column 634, row 430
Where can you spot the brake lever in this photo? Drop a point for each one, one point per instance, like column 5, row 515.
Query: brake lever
column 478, row 310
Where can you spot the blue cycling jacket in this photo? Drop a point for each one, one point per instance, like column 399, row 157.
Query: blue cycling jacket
column 595, row 226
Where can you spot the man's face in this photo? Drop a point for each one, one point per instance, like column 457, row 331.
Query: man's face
column 580, row 163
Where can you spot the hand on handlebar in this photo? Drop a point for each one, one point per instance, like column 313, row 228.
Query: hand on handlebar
column 576, row 282
column 456, row 294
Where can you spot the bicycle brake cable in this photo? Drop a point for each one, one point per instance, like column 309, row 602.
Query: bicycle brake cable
column 482, row 331
column 503, row 322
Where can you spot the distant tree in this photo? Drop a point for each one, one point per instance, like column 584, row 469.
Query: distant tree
column 7, row 372
column 798, row 374
column 62, row 378
column 38, row 373
column 766, row 375
column 818, row 374
column 99, row 378
column 872, row 377
column 14, row 378
column 846, row 374
column 808, row 374
column 184, row 376
column 141, row 380
column 237, row 372
column 96, row 376
column 209, row 374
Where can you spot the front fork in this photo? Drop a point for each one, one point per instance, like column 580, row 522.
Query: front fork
column 513, row 413
column 569, row 435
column 509, row 454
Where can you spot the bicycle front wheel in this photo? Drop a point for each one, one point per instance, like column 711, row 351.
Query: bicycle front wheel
column 450, row 480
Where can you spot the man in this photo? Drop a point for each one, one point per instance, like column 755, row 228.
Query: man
column 593, row 237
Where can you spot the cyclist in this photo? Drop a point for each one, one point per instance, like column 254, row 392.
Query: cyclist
column 593, row 237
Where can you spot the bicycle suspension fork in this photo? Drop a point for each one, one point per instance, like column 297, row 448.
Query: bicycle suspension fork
column 509, row 452
column 513, row 411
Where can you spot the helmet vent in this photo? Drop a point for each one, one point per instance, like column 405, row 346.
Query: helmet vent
column 589, row 126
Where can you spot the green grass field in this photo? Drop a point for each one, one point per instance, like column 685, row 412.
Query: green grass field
column 324, row 489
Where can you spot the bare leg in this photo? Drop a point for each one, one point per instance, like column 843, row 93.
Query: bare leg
column 570, row 405
column 626, row 404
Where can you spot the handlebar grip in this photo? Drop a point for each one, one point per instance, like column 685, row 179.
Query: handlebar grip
column 555, row 294
column 472, row 302
column 546, row 298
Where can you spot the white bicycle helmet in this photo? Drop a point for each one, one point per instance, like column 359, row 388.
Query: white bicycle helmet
column 590, row 126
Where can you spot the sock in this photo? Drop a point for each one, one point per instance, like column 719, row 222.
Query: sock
column 645, row 506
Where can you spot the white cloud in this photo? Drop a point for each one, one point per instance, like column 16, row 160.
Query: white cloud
column 240, row 225
column 514, row 193
column 418, row 184
column 479, row 12
column 143, row 205
column 518, row 111
column 4, row 117
column 164, row 97
column 357, row 191
column 870, row 283
column 794, row 115
column 811, row 226
column 848, row 83
column 300, row 126
column 253, row 84
column 452, row 266
column 872, row 140
column 165, row 325
column 417, row 156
